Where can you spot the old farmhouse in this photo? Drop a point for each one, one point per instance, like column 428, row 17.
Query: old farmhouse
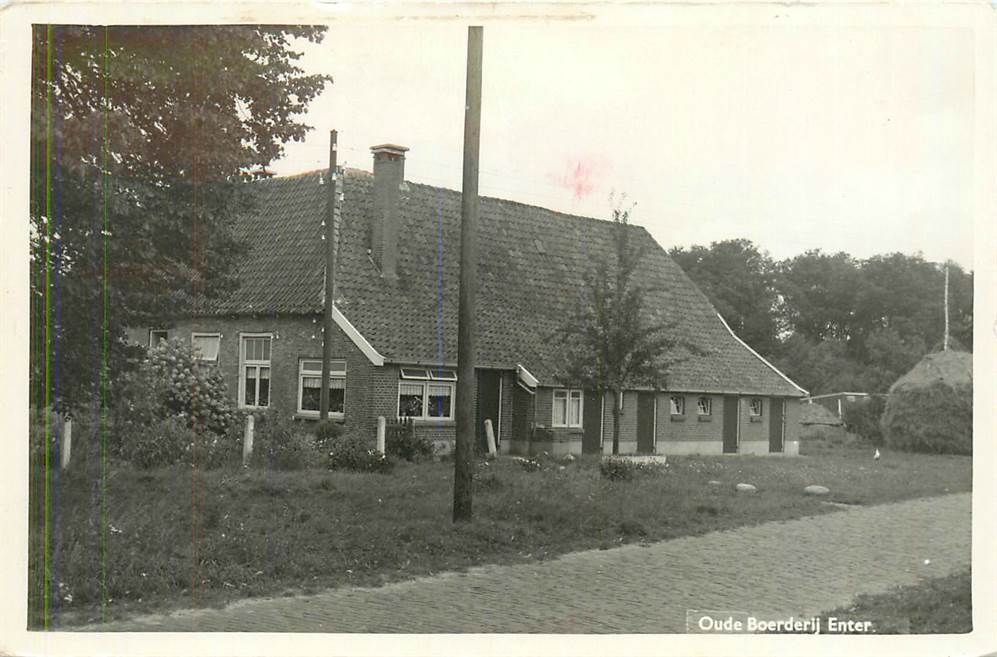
column 396, row 311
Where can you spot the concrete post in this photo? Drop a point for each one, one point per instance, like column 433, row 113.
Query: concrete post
column 67, row 442
column 381, row 428
column 490, row 436
column 247, row 440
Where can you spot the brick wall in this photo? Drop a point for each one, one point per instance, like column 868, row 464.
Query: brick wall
column 689, row 426
column 628, row 423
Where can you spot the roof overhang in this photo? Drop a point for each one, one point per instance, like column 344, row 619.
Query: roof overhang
column 525, row 380
column 357, row 338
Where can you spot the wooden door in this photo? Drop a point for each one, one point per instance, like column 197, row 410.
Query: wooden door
column 592, row 423
column 645, row 422
column 775, row 425
column 731, row 404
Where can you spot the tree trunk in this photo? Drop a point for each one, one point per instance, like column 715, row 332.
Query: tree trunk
column 616, row 421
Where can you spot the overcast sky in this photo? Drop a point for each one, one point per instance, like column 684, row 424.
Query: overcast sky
column 859, row 140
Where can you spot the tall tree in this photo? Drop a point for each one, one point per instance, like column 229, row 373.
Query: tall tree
column 818, row 292
column 141, row 136
column 739, row 280
column 610, row 346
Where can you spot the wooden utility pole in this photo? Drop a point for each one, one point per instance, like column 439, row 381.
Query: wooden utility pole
column 330, row 270
column 945, row 342
column 464, row 445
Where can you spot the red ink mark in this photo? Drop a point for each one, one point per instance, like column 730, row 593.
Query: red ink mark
column 579, row 177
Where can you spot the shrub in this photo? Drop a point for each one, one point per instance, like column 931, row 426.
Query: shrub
column 863, row 419
column 402, row 441
column 353, row 451
column 624, row 469
column 162, row 442
column 326, row 432
column 281, row 444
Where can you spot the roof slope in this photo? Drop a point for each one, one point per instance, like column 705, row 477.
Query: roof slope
column 530, row 263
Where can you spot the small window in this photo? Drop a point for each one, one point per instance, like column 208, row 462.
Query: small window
column 415, row 374
column 443, row 375
column 567, row 408
column 677, row 404
column 310, row 387
column 704, row 406
column 156, row 336
column 254, row 367
column 755, row 408
column 206, row 345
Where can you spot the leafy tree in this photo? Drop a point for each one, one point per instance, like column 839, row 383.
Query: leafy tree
column 739, row 280
column 817, row 292
column 610, row 345
column 141, row 136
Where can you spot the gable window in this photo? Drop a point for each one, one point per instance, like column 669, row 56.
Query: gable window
column 310, row 387
column 704, row 406
column 677, row 404
column 254, row 368
column 156, row 336
column 755, row 408
column 567, row 408
column 426, row 394
column 206, row 345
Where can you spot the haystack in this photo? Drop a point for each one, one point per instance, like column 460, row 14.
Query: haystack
column 930, row 409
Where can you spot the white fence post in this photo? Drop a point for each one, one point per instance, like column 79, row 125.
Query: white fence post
column 247, row 440
column 67, row 442
column 490, row 436
column 381, row 428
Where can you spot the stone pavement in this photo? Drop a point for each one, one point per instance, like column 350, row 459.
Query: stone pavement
column 775, row 570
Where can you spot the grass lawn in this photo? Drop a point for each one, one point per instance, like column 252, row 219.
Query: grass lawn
column 175, row 537
column 935, row 606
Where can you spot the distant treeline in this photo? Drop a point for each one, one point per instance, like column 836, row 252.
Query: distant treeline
column 832, row 322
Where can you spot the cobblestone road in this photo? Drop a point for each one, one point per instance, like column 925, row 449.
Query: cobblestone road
column 778, row 569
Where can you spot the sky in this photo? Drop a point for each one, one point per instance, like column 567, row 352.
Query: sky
column 850, row 139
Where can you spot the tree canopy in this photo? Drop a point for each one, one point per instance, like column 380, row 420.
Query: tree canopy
column 833, row 322
column 141, row 137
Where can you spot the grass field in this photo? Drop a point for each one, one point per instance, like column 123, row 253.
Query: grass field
column 140, row 541
column 935, row 606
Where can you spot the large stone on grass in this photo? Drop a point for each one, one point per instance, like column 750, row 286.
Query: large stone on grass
column 816, row 490
column 713, row 482
column 746, row 488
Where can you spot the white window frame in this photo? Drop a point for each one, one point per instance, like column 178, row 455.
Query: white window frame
column 333, row 374
column 709, row 406
column 155, row 330
column 424, row 384
column 209, row 335
column 672, row 406
column 569, row 395
column 243, row 363
column 751, row 407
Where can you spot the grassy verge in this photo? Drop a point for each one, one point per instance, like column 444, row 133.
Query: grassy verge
column 936, row 606
column 176, row 537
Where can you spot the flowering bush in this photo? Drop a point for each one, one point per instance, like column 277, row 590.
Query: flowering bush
column 170, row 403
column 171, row 382
column 353, row 452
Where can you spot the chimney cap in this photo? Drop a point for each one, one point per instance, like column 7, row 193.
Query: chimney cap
column 390, row 149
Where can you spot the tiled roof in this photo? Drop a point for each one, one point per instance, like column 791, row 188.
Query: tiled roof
column 530, row 263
